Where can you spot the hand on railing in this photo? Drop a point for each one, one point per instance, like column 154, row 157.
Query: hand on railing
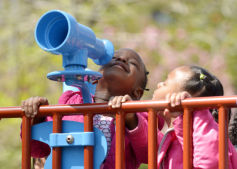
column 174, row 99
column 116, row 102
column 31, row 105
column 131, row 120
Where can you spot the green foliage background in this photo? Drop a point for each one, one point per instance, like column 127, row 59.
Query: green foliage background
column 165, row 33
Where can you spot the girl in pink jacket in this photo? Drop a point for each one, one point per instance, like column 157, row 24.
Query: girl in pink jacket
column 184, row 82
column 125, row 74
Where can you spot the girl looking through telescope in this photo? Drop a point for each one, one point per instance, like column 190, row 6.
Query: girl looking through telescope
column 125, row 74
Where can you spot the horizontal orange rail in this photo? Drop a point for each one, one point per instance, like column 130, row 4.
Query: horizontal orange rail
column 88, row 110
column 131, row 106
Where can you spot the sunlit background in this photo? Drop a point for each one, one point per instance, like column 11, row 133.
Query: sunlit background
column 166, row 34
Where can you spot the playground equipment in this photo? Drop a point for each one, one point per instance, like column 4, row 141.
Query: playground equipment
column 188, row 105
column 59, row 33
column 72, row 140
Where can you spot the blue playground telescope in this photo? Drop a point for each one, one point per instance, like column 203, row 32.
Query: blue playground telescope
column 59, row 33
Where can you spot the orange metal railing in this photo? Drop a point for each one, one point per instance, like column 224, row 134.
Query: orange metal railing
column 88, row 110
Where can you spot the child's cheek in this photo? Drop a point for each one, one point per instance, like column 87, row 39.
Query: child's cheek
column 155, row 95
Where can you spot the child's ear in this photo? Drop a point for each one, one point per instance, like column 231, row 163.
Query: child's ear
column 137, row 93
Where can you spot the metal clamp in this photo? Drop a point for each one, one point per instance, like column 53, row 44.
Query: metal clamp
column 71, row 139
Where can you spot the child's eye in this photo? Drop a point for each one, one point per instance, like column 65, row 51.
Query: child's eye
column 134, row 63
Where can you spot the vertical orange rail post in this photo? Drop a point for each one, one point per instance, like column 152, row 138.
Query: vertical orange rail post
column 26, row 137
column 223, row 138
column 187, row 136
column 152, row 139
column 57, row 128
column 120, row 145
column 88, row 150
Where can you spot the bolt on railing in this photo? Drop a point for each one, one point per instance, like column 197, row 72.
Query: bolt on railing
column 88, row 110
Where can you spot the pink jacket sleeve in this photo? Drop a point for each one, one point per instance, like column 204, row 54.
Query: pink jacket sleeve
column 70, row 97
column 205, row 141
column 139, row 138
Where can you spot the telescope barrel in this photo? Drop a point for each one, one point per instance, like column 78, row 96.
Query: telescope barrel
column 59, row 33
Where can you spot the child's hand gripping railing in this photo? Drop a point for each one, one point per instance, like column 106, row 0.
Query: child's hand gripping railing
column 88, row 110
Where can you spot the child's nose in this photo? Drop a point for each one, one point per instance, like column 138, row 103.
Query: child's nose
column 121, row 59
column 160, row 84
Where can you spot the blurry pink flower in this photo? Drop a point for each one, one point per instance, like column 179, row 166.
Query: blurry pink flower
column 181, row 34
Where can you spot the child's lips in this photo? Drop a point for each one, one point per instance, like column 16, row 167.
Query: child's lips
column 121, row 65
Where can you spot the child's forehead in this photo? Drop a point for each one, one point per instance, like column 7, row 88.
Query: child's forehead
column 130, row 54
column 180, row 73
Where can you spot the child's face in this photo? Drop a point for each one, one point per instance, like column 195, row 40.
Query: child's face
column 173, row 84
column 126, row 70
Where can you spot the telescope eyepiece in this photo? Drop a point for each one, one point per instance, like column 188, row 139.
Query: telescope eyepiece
column 51, row 31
